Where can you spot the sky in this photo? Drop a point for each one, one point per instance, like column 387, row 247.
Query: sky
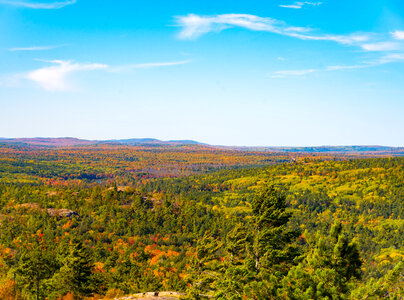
column 245, row 73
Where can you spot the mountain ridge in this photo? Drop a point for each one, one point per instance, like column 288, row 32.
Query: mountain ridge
column 72, row 141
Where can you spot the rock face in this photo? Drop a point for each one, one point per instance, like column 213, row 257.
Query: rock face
column 63, row 213
column 153, row 295
column 53, row 212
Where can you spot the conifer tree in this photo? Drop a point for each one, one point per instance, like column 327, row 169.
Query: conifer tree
column 34, row 267
column 390, row 286
column 272, row 252
column 327, row 271
column 205, row 268
column 75, row 276
column 259, row 254
column 236, row 274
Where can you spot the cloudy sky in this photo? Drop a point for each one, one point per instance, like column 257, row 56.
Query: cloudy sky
column 234, row 72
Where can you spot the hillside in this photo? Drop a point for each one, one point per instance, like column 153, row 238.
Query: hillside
column 137, row 217
column 148, row 142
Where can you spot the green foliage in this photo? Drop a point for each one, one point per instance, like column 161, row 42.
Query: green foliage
column 327, row 271
column 272, row 247
column 75, row 275
column 390, row 286
column 34, row 267
column 141, row 218
column 204, row 268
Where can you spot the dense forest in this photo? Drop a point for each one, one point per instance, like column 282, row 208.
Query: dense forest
column 104, row 221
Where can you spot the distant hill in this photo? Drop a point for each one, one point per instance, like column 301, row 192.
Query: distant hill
column 48, row 142
column 150, row 141
column 329, row 149
column 69, row 141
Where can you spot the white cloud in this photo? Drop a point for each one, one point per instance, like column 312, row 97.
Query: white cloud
column 38, row 5
column 396, row 57
column 55, row 78
column 147, row 66
column 398, row 35
column 35, row 48
column 349, row 39
column 299, row 5
column 382, row 46
column 286, row 73
column 194, row 26
column 343, row 67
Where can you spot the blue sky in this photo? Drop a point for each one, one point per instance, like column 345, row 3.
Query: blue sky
column 262, row 73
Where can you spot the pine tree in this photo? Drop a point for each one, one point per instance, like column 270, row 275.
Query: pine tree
column 75, row 276
column 262, row 252
column 327, row 271
column 236, row 274
column 390, row 286
column 34, row 267
column 205, row 268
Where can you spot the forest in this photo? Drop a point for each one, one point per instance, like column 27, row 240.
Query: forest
column 105, row 221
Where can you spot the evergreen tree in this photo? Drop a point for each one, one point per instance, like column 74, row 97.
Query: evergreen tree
column 34, row 267
column 205, row 268
column 327, row 271
column 272, row 252
column 75, row 276
column 390, row 286
column 259, row 254
column 272, row 243
column 236, row 274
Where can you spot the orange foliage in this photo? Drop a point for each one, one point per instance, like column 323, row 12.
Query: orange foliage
column 68, row 225
column 98, row 267
column 7, row 290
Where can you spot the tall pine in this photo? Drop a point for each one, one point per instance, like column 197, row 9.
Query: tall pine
column 75, row 276
column 328, row 270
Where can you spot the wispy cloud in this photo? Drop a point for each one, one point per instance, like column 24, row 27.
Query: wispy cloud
column 130, row 67
column 286, row 73
column 299, row 5
column 381, row 46
column 38, row 5
column 194, row 26
column 389, row 58
column 398, row 34
column 35, row 48
column 295, row 73
column 344, row 67
column 55, row 77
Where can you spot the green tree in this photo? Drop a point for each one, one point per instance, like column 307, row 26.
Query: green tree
column 75, row 275
column 205, row 268
column 327, row 271
column 236, row 274
column 261, row 252
column 390, row 286
column 272, row 251
column 35, row 266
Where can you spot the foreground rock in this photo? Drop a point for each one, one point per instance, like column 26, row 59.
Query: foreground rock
column 153, row 295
